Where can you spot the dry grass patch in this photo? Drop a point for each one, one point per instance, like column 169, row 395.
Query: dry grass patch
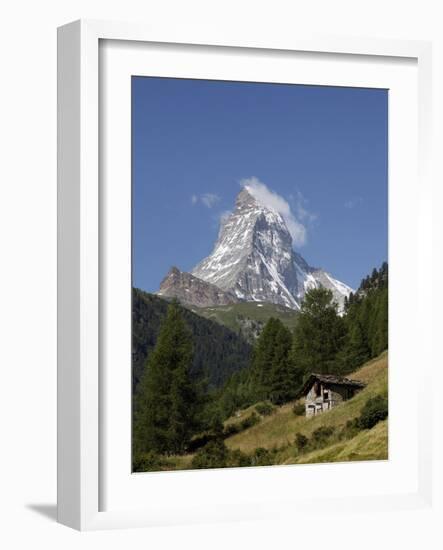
column 371, row 369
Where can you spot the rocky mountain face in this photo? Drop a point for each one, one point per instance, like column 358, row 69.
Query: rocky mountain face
column 191, row 291
column 254, row 261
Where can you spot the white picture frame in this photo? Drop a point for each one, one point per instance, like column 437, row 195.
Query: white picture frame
column 80, row 411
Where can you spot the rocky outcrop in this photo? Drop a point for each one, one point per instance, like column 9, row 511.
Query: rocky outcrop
column 192, row 291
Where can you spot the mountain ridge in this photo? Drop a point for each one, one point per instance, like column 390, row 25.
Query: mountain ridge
column 192, row 291
column 254, row 259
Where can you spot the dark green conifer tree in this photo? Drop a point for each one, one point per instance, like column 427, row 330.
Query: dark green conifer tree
column 262, row 360
column 367, row 320
column 273, row 375
column 285, row 378
column 167, row 403
column 320, row 333
column 356, row 351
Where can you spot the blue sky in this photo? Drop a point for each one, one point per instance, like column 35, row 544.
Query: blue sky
column 322, row 149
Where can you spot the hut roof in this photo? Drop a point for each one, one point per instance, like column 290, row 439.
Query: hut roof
column 328, row 379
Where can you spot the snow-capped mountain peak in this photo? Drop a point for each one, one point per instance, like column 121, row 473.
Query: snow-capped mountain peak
column 254, row 258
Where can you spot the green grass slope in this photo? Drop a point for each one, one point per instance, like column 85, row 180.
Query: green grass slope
column 248, row 317
column 367, row 445
column 278, row 431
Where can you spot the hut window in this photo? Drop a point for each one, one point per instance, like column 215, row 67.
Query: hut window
column 326, row 395
column 317, row 389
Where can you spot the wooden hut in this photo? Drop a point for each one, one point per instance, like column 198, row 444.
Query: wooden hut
column 322, row 392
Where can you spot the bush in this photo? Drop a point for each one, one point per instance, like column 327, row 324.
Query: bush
column 262, row 457
column 299, row 409
column 374, row 410
column 214, row 454
column 237, row 459
column 320, row 438
column 250, row 421
column 265, row 408
column 350, row 429
column 237, row 427
column 321, row 435
column 231, row 429
column 301, row 441
column 147, row 462
column 200, row 441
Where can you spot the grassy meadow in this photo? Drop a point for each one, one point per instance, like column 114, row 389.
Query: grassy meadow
column 236, row 316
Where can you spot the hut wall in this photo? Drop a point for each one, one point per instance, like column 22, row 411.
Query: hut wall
column 324, row 396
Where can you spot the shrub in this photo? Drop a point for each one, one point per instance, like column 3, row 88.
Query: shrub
column 237, row 427
column 265, row 408
column 238, row 459
column 147, row 462
column 262, row 457
column 350, row 429
column 250, row 421
column 214, row 454
column 231, row 429
column 200, row 441
column 298, row 409
column 301, row 441
column 374, row 410
column 321, row 435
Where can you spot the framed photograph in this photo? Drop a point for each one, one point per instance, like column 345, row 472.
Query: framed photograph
column 241, row 229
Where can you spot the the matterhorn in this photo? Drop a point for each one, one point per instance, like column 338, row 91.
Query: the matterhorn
column 253, row 260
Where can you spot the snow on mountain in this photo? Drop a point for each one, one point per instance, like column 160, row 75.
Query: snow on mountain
column 254, row 259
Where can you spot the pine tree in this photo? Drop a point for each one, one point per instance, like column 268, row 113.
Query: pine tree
column 320, row 333
column 366, row 320
column 273, row 375
column 262, row 359
column 285, row 378
column 380, row 335
column 357, row 349
column 167, row 401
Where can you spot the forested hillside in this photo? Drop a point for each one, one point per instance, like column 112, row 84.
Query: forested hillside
column 322, row 341
column 367, row 319
column 174, row 414
column 217, row 351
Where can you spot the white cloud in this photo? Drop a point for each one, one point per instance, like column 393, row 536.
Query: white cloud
column 208, row 199
column 301, row 208
column 273, row 200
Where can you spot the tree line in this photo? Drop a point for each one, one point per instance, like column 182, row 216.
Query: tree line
column 171, row 406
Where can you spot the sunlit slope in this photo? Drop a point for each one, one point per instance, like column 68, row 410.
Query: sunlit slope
column 367, row 445
column 236, row 316
column 279, row 429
